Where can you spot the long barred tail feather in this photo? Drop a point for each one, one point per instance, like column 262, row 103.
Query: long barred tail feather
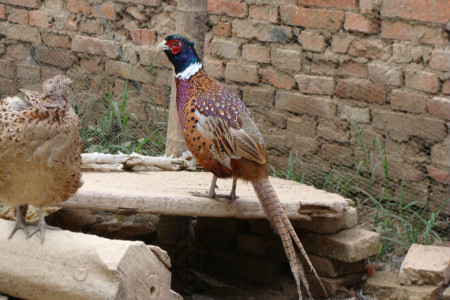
column 283, row 227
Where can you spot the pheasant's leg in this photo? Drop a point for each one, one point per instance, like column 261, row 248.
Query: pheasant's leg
column 20, row 223
column 42, row 226
column 212, row 191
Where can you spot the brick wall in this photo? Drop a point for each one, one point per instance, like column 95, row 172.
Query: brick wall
column 306, row 69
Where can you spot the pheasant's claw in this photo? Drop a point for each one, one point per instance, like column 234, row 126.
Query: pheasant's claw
column 41, row 226
column 19, row 225
column 204, row 195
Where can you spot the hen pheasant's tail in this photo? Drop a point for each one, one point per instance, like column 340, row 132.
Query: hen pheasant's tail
column 283, row 227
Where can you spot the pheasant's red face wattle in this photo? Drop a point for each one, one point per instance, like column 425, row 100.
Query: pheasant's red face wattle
column 175, row 46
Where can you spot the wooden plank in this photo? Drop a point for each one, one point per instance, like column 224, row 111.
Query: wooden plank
column 79, row 266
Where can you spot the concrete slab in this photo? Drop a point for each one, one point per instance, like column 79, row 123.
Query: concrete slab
column 347, row 245
column 329, row 225
column 426, row 265
column 169, row 193
column 387, row 286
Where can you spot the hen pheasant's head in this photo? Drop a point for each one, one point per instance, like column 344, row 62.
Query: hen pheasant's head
column 55, row 92
column 182, row 55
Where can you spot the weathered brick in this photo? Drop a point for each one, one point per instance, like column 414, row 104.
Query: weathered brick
column 331, row 132
column 241, row 72
column 440, row 176
column 287, row 59
column 312, row 17
column 319, row 85
column 439, row 107
column 232, row 8
column 411, row 125
column 55, row 57
column 302, row 126
column 2, row 12
column 92, row 65
column 143, row 36
column 225, row 48
column 90, row 26
column 130, row 53
column 80, row 6
column 446, row 87
column 108, row 11
column 17, row 51
column 417, row 33
column 29, row 72
column 253, row 52
column 303, row 146
column 26, row 3
column 385, row 74
column 264, row 12
column 213, row 67
column 40, row 19
column 435, row 11
column 8, row 69
column 343, row 4
column 121, row 69
column 258, row 245
column 353, row 114
column 405, row 52
column 422, row 81
column 332, row 268
column 330, row 225
column 361, row 23
column 362, row 90
column 222, row 28
column 401, row 170
column 23, row 33
column 258, row 95
column 370, row 48
column 305, row 104
column 409, row 101
column 142, row 2
column 369, row 6
column 277, row 79
column 94, row 46
column 136, row 13
column 322, row 67
column 341, row 43
column 440, row 59
column 18, row 16
column 312, row 41
column 151, row 56
column 352, row 68
column 267, row 33
column 56, row 40
column 337, row 154
column 71, row 25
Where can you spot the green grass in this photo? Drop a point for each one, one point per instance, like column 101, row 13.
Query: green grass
column 380, row 200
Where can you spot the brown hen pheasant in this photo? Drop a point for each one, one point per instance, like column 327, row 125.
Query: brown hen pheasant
column 222, row 135
column 40, row 151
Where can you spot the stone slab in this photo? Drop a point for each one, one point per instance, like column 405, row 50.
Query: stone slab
column 347, row 245
column 329, row 225
column 333, row 268
column 169, row 193
column 387, row 286
column 426, row 265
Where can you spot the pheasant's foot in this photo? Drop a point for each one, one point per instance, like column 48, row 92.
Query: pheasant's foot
column 20, row 223
column 41, row 226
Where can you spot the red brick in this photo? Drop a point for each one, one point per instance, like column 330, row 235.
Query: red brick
column 439, row 107
column 94, row 46
column 427, row 11
column 17, row 51
column 225, row 48
column 121, row 69
column 40, row 19
column 222, row 28
column 337, row 153
column 253, row 52
column 277, row 79
column 232, row 8
column 80, row 6
column 213, row 67
column 71, row 25
column 329, row 131
column 267, row 33
column 26, row 3
column 446, row 87
column 370, row 48
column 385, row 74
column 287, row 59
column 369, row 6
column 23, row 33
column 264, row 12
column 142, row 2
column 440, row 60
column 241, row 72
column 2, row 12
column 56, row 40
column 312, row 18
column 319, row 85
column 312, row 41
column 90, row 26
column 18, row 16
column 441, row 176
column 55, row 57
column 409, row 101
column 407, row 124
column 306, row 104
column 108, row 11
column 258, row 95
column 352, row 68
column 136, row 13
column 143, row 36
column 416, row 33
column 322, row 67
column 344, row 4
column 422, row 81
column 362, row 90
column 361, row 23
column 341, row 43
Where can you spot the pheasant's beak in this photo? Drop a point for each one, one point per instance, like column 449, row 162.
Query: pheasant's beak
column 162, row 46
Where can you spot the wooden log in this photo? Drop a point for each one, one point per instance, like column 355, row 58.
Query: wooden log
column 79, row 266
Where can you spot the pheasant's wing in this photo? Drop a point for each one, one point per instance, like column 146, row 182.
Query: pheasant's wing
column 225, row 120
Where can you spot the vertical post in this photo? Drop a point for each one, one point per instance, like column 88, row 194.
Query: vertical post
column 191, row 22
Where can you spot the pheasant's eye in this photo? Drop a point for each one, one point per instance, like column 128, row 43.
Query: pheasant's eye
column 175, row 49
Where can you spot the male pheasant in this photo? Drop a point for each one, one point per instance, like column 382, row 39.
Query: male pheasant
column 40, row 151
column 222, row 135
